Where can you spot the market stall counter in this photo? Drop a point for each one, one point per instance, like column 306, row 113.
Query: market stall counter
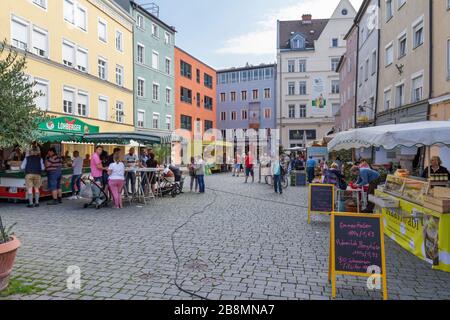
column 12, row 184
column 416, row 218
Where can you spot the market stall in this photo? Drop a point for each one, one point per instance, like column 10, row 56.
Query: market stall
column 416, row 211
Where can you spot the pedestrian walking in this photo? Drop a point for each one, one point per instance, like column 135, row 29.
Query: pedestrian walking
column 200, row 174
column 249, row 167
column 310, row 168
column 116, row 172
column 53, row 166
column 75, row 182
column 277, row 175
column 33, row 165
column 193, row 177
column 237, row 166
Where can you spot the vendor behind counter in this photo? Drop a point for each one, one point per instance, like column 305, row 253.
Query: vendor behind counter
column 435, row 168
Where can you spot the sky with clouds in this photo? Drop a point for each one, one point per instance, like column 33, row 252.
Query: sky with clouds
column 231, row 33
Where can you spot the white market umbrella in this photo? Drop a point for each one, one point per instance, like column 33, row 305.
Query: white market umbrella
column 417, row 134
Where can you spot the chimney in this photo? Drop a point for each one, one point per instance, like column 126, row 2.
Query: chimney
column 306, row 18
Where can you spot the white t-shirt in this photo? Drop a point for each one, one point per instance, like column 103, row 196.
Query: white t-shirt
column 117, row 171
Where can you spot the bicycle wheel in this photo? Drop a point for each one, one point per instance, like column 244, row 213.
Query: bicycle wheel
column 269, row 180
column 285, row 182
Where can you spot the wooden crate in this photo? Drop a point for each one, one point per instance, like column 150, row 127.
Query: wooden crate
column 441, row 205
column 441, row 192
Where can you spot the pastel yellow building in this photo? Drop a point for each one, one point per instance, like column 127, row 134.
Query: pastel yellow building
column 80, row 54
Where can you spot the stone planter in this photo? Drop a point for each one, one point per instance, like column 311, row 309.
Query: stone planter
column 7, row 256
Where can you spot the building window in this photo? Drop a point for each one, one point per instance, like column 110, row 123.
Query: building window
column 155, row 122
column 334, row 42
column 119, row 75
column 401, row 3
column 400, row 95
column 119, row 41
column 291, row 88
column 208, row 103
column 41, row 101
column 186, row 122
column 334, row 86
column 303, row 111
column 267, row 113
column 198, row 99
column 140, row 22
column 291, row 66
column 155, row 30
column 255, row 94
column 41, row 3
column 166, row 38
column 155, row 92
column 102, row 67
column 389, row 55
column 292, row 111
column 155, row 60
column 102, row 31
column 186, row 95
column 223, row 97
column 302, row 66
column 208, row 81
column 233, row 96
column 402, row 45
column 267, row 93
column 82, row 60
column 19, row 33
column 448, row 55
column 168, row 66
column 168, row 95
column 197, row 75
column 68, row 101
column 81, row 18
column 169, row 123
column 119, row 112
column 244, row 95
column 208, row 125
column 418, row 34
column 374, row 62
column 302, row 88
column 389, row 10
column 141, row 88
column 186, row 70
column 68, row 52
column 82, row 103
column 387, row 99
column 40, row 42
column 223, row 116
column 140, row 54
column 233, row 115
column 417, row 89
column 366, row 74
column 244, row 114
column 334, row 64
column 103, row 108
column 69, row 11
column 140, row 119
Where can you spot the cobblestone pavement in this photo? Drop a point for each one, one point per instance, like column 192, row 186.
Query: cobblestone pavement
column 249, row 243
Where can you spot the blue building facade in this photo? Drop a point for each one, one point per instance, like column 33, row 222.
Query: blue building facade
column 246, row 97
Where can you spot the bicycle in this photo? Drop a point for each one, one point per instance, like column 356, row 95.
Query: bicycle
column 284, row 181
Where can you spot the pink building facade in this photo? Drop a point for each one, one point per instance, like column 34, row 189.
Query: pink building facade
column 348, row 73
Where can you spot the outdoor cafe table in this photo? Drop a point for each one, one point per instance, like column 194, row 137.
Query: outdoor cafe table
column 143, row 176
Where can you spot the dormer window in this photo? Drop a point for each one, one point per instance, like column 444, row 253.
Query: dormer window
column 297, row 42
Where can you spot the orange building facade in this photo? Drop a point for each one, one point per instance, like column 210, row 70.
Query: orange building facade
column 195, row 93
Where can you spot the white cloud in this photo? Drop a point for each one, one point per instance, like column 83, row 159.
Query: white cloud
column 262, row 41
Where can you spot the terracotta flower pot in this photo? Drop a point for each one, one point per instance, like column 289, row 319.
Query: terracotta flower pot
column 7, row 256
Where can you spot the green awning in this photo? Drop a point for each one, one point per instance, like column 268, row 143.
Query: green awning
column 57, row 137
column 122, row 138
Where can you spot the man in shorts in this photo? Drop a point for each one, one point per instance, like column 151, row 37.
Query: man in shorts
column 33, row 165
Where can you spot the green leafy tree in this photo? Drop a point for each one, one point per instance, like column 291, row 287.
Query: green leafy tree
column 19, row 116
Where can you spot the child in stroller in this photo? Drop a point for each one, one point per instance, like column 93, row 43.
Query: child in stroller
column 171, row 182
column 99, row 197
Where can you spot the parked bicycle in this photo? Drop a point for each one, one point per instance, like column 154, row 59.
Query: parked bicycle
column 284, row 181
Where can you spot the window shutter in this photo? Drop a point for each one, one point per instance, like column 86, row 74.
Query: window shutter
column 39, row 42
column 102, row 109
column 82, row 60
column 68, row 54
column 20, row 32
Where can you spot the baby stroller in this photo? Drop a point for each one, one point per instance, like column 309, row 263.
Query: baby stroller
column 99, row 197
column 171, row 183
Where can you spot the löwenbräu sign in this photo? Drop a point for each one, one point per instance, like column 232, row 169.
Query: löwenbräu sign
column 357, row 248
column 321, row 199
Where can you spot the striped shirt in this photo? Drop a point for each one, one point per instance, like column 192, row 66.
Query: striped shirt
column 53, row 163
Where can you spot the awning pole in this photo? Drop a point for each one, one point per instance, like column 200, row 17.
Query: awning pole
column 429, row 161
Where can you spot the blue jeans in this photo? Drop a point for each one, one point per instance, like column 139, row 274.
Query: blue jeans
column 277, row 183
column 75, row 181
column 54, row 180
column 310, row 173
column 201, row 184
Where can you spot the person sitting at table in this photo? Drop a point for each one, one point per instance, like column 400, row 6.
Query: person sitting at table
column 152, row 163
column 116, row 172
column 367, row 177
column 435, row 168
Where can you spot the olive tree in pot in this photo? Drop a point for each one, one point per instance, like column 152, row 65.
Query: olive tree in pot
column 8, row 249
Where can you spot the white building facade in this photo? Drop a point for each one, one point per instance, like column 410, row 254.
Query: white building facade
column 308, row 53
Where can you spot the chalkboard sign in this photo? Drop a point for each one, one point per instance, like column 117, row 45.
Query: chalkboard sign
column 357, row 243
column 357, row 247
column 321, row 199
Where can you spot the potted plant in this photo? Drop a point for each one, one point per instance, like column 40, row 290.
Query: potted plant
column 8, row 248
